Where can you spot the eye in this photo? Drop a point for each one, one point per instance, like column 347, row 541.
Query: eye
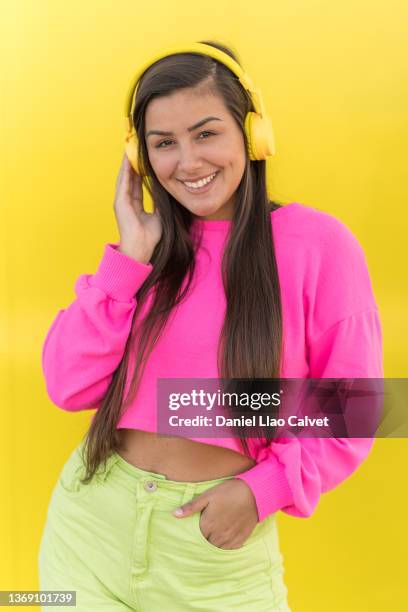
column 210, row 133
column 159, row 146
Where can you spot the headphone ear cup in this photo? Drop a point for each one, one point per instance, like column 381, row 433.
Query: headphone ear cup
column 131, row 148
column 259, row 132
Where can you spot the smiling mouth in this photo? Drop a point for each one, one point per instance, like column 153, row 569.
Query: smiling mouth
column 203, row 188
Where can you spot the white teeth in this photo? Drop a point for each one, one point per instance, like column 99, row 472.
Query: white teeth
column 200, row 183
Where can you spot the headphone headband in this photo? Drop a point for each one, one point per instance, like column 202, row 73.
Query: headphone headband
column 201, row 49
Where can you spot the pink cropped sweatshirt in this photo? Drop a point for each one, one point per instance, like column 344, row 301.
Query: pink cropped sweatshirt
column 331, row 329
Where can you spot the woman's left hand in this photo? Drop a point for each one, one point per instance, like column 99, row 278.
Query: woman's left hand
column 229, row 513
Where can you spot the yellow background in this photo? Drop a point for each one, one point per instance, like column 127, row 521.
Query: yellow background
column 334, row 80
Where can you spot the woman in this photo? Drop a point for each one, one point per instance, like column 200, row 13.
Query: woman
column 216, row 282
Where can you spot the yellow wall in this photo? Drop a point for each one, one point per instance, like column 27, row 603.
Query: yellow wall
column 333, row 76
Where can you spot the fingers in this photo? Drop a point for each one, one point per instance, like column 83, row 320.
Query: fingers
column 136, row 181
column 127, row 180
column 122, row 173
column 198, row 503
column 127, row 187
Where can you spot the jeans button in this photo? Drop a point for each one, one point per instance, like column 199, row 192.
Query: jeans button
column 150, row 486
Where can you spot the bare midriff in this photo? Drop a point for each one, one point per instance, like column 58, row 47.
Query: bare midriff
column 178, row 458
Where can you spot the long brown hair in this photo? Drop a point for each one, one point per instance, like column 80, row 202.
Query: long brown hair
column 250, row 344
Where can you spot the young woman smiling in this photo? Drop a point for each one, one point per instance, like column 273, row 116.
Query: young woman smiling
column 216, row 282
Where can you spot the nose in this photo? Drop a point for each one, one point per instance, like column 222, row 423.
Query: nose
column 189, row 160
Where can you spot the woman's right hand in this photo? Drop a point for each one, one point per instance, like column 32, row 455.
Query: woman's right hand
column 139, row 231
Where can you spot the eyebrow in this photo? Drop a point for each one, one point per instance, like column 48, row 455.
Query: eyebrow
column 190, row 129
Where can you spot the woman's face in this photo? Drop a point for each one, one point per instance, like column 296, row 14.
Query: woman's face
column 188, row 153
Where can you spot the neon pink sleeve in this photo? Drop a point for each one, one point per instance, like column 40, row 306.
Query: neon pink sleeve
column 292, row 473
column 86, row 341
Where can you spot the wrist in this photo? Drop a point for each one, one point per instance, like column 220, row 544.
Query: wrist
column 134, row 254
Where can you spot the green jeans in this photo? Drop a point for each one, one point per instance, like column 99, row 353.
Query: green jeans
column 116, row 544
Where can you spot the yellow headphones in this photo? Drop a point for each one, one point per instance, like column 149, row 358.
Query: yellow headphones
column 258, row 126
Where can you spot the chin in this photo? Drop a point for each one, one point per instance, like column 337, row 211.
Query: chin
column 206, row 213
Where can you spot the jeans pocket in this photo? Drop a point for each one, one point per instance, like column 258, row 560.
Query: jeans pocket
column 253, row 543
column 69, row 481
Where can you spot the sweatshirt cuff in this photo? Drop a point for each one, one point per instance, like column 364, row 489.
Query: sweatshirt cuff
column 269, row 485
column 119, row 275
